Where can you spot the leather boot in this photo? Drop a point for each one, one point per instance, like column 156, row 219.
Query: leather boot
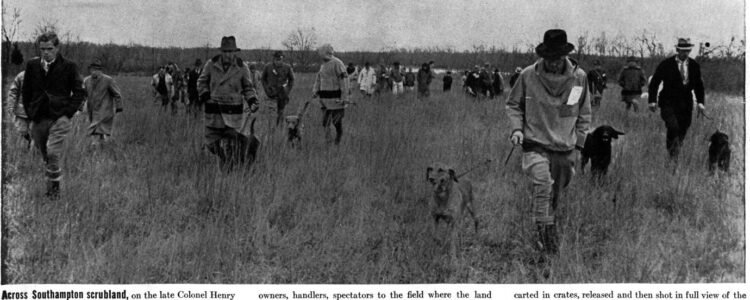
column 547, row 238
column 53, row 190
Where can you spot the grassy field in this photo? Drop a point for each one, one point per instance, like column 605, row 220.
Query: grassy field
column 153, row 208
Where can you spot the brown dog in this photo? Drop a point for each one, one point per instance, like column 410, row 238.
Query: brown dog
column 451, row 197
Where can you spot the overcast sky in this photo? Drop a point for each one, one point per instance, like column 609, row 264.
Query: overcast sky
column 374, row 25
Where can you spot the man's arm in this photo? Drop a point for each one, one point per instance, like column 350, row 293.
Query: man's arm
column 584, row 119
column 204, row 80
column 248, row 89
column 290, row 80
column 653, row 86
column 515, row 106
column 78, row 93
column 700, row 95
column 13, row 94
column 114, row 91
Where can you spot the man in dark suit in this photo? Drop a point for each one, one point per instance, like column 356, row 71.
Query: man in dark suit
column 52, row 93
column 681, row 76
column 192, row 88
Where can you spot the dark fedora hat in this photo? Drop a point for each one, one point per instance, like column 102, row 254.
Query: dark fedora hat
column 555, row 44
column 229, row 44
column 97, row 64
column 684, row 44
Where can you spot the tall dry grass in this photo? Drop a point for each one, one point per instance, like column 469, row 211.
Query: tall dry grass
column 153, row 207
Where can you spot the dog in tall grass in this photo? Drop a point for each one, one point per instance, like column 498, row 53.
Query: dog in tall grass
column 294, row 127
column 598, row 149
column 719, row 153
column 451, row 198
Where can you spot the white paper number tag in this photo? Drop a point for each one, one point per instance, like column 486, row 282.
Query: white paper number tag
column 575, row 94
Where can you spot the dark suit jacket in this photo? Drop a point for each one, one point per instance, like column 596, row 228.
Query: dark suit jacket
column 57, row 93
column 675, row 94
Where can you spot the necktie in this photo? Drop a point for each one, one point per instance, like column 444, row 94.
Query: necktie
column 45, row 66
column 682, row 72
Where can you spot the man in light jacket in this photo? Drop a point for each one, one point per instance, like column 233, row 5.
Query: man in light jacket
column 226, row 89
column 330, row 87
column 549, row 110
column 367, row 80
column 21, row 121
column 103, row 101
column 163, row 89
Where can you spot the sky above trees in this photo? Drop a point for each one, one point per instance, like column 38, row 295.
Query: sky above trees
column 381, row 25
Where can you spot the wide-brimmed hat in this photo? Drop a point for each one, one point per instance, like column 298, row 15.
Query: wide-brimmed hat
column 326, row 51
column 518, row 69
column 96, row 64
column 228, row 43
column 555, row 44
column 683, row 44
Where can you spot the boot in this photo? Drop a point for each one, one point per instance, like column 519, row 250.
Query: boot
column 53, row 190
column 547, row 238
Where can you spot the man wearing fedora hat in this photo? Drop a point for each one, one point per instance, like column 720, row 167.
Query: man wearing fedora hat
column 681, row 76
column 52, row 93
column 549, row 109
column 330, row 87
column 278, row 81
column 631, row 79
column 226, row 89
column 103, row 101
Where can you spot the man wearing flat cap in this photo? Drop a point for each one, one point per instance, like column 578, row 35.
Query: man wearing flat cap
column 103, row 101
column 549, row 109
column 278, row 81
column 632, row 79
column 681, row 76
column 330, row 87
column 228, row 94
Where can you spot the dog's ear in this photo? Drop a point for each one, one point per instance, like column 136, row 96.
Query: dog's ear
column 616, row 133
column 427, row 174
column 452, row 175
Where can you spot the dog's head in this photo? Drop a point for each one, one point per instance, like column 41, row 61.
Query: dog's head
column 606, row 133
column 292, row 123
column 719, row 138
column 441, row 177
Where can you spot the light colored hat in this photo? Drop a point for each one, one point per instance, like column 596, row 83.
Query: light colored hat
column 683, row 44
column 326, row 50
column 518, row 69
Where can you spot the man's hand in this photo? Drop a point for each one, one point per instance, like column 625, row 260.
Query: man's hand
column 516, row 138
column 701, row 109
column 253, row 103
column 652, row 106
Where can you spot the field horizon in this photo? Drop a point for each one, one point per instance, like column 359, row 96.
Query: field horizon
column 153, row 207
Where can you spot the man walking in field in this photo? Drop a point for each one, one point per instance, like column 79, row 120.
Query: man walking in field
column 278, row 81
column 102, row 103
column 515, row 75
column 424, row 78
column 367, row 80
column 226, row 89
column 21, row 120
column 163, row 89
column 597, row 83
column 194, row 106
column 52, row 93
column 549, row 112
column 397, row 78
column 631, row 80
column 330, row 86
column 681, row 76
column 498, row 85
column 409, row 79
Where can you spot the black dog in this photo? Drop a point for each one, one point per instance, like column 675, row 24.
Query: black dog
column 238, row 150
column 598, row 148
column 719, row 152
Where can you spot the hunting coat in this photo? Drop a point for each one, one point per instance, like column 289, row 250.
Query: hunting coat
column 552, row 110
column 278, row 80
column 52, row 94
column 631, row 80
column 103, row 100
column 329, row 83
column 230, row 91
